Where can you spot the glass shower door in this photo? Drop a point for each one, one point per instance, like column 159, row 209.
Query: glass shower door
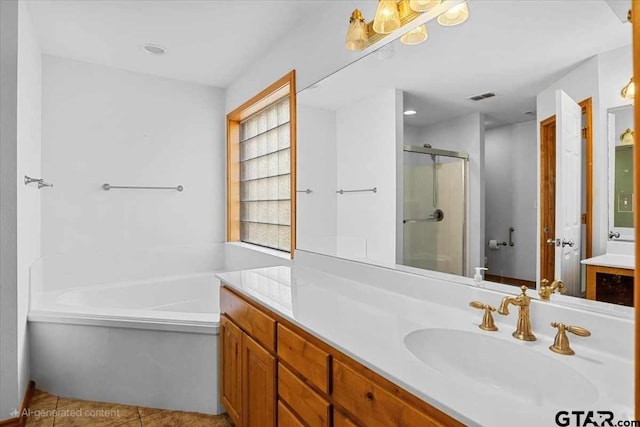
column 434, row 206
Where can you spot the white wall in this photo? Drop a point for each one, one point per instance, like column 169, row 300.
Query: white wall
column 315, row 49
column 466, row 134
column 9, row 394
column 510, row 153
column 367, row 145
column 317, row 171
column 104, row 125
column 29, row 163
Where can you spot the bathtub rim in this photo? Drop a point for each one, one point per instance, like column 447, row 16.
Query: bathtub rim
column 126, row 322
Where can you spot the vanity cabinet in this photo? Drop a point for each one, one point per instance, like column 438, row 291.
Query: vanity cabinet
column 610, row 284
column 274, row 373
column 248, row 368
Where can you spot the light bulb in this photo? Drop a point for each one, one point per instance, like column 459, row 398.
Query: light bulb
column 415, row 36
column 357, row 33
column 423, row 5
column 387, row 18
column 454, row 16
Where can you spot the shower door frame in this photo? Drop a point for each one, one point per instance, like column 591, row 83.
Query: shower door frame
column 465, row 180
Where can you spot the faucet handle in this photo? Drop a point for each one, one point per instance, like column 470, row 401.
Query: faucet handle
column 561, row 341
column 487, row 320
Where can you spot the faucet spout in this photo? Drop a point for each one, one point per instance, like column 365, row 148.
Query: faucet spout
column 504, row 305
column 523, row 326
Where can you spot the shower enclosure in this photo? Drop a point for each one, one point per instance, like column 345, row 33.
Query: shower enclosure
column 435, row 209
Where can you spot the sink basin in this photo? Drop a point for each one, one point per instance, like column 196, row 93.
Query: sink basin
column 507, row 366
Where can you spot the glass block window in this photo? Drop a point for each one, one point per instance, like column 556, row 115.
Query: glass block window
column 265, row 177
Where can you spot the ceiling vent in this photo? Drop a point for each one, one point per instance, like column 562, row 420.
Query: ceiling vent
column 482, row 96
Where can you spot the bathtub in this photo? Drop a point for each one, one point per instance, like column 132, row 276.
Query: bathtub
column 149, row 343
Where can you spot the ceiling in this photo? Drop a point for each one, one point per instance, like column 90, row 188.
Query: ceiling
column 208, row 42
column 512, row 48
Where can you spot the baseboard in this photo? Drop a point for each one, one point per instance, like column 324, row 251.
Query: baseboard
column 26, row 401
column 21, row 420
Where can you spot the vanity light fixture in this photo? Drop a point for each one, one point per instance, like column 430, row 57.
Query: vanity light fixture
column 357, row 33
column 629, row 91
column 416, row 36
column 454, row 16
column 387, row 18
column 627, row 137
column 394, row 14
column 423, row 5
column 410, row 112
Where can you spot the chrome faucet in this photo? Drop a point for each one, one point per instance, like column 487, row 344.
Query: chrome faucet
column 523, row 327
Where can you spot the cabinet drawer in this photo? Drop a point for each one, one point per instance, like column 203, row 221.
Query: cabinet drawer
column 341, row 420
column 373, row 405
column 286, row 417
column 311, row 362
column 261, row 327
column 306, row 403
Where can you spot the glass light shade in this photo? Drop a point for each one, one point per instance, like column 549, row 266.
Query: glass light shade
column 387, row 18
column 454, row 16
column 629, row 91
column 423, row 5
column 415, row 36
column 627, row 138
column 357, row 32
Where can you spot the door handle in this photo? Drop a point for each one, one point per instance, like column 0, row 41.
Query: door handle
column 553, row 242
column 614, row 235
column 568, row 242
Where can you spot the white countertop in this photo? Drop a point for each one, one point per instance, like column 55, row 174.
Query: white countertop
column 612, row 260
column 369, row 324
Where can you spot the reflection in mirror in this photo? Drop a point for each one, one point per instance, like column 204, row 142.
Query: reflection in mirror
column 486, row 145
column 621, row 140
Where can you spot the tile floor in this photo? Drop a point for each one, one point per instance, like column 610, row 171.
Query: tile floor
column 47, row 410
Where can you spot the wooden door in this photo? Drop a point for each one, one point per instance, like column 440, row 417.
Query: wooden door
column 231, row 381
column 547, row 198
column 258, row 385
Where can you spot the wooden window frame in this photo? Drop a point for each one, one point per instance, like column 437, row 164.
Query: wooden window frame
column 278, row 89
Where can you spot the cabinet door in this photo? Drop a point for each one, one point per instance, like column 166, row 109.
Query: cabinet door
column 231, row 381
column 258, row 384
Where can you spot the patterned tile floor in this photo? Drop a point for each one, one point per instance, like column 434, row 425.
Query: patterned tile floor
column 47, row 410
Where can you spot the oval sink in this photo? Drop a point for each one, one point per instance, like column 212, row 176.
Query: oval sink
column 512, row 368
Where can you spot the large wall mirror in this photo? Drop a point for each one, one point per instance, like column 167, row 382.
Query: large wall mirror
column 502, row 143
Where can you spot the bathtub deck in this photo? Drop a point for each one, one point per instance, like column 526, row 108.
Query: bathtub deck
column 47, row 410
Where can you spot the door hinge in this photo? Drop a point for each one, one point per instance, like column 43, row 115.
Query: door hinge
column 584, row 133
column 584, row 218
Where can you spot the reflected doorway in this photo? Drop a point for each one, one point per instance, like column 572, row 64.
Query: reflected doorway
column 548, row 239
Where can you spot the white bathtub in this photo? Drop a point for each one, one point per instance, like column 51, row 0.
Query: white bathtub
column 149, row 343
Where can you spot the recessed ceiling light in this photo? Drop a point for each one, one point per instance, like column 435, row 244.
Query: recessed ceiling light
column 154, row 49
column 410, row 112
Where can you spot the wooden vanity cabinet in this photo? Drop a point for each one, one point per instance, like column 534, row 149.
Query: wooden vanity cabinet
column 274, row 373
column 341, row 420
column 248, row 368
column 610, row 284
